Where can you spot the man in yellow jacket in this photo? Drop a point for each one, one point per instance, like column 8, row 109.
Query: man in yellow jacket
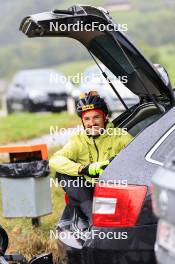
column 86, row 154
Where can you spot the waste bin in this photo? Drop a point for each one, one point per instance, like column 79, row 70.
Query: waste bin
column 25, row 182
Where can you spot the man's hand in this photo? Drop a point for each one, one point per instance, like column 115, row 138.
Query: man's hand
column 95, row 169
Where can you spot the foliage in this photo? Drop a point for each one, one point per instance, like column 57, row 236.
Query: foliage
column 150, row 23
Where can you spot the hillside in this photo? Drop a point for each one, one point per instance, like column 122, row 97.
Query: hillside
column 149, row 25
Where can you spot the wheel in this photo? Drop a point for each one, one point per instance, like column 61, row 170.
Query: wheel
column 27, row 106
column 3, row 240
column 9, row 108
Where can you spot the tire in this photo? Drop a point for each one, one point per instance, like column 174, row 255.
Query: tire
column 9, row 108
column 3, row 240
column 27, row 106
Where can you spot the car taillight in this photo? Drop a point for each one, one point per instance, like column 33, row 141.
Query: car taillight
column 66, row 198
column 117, row 206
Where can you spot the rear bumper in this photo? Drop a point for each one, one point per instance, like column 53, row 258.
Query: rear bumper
column 113, row 257
column 137, row 238
column 138, row 247
column 47, row 106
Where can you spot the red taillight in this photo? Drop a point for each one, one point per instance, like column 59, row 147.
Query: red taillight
column 66, row 198
column 117, row 206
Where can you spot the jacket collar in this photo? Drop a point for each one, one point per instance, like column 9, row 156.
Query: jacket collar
column 90, row 139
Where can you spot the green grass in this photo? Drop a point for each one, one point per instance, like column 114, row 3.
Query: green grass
column 136, row 16
column 17, row 127
column 167, row 58
column 69, row 3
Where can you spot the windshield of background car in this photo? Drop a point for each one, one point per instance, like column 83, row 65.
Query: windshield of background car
column 43, row 79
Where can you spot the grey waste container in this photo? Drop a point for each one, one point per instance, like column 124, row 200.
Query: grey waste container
column 25, row 182
column 164, row 207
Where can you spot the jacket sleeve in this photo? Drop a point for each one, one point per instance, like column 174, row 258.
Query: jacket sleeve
column 64, row 160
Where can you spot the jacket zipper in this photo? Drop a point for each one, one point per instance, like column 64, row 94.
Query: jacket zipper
column 96, row 149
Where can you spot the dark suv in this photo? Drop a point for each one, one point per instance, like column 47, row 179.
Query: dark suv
column 37, row 90
column 123, row 209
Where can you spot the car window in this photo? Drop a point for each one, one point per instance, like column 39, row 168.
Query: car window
column 17, row 79
column 40, row 79
column 36, row 78
column 159, row 153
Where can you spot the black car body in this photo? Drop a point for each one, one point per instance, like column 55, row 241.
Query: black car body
column 125, row 208
column 37, row 90
column 163, row 202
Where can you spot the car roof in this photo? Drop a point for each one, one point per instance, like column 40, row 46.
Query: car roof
column 27, row 73
column 36, row 71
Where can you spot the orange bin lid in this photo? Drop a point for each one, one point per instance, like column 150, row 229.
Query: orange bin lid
column 20, row 149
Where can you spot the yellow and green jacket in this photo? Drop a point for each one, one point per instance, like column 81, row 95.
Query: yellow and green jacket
column 82, row 150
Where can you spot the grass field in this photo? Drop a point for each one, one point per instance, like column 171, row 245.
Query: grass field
column 167, row 57
column 24, row 126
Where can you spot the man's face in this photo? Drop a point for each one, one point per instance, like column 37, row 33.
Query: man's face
column 93, row 122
